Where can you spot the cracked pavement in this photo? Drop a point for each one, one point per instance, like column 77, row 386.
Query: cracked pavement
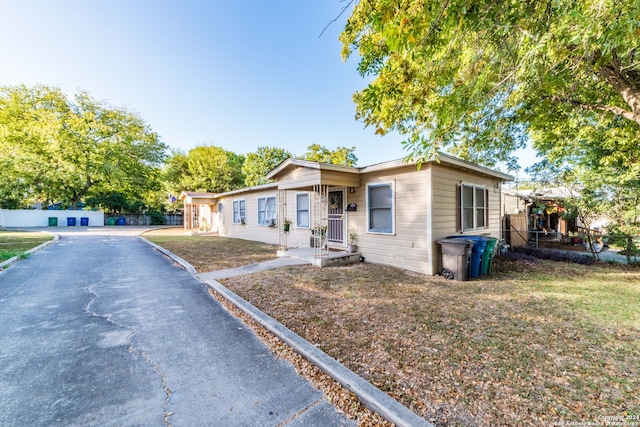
column 100, row 329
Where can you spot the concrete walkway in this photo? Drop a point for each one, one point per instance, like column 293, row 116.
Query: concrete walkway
column 251, row 268
column 612, row 256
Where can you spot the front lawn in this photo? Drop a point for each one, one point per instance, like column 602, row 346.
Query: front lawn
column 532, row 344
column 553, row 342
column 209, row 252
column 14, row 243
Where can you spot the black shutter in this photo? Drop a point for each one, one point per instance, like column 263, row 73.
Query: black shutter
column 486, row 208
column 458, row 208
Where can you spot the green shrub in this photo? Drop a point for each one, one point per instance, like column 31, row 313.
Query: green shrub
column 157, row 218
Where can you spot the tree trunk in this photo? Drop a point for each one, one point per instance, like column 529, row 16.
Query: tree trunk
column 595, row 255
column 626, row 89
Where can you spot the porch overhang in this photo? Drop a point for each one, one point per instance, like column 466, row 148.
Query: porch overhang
column 194, row 197
column 301, row 174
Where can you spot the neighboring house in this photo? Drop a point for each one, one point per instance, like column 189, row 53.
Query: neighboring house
column 538, row 213
column 397, row 211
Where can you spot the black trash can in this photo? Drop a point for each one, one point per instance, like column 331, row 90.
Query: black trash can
column 71, row 222
column 456, row 257
column 84, row 221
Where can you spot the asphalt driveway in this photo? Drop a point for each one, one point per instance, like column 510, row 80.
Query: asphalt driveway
column 100, row 329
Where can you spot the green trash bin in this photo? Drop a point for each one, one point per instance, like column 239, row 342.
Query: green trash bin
column 53, row 221
column 111, row 221
column 487, row 258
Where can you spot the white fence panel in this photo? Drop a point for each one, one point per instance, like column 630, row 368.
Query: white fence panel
column 40, row 218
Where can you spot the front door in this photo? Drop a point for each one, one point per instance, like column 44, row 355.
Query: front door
column 335, row 233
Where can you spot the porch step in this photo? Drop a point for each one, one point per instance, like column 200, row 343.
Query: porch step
column 334, row 258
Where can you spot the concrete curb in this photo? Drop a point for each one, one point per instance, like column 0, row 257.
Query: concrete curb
column 184, row 264
column 370, row 396
column 15, row 259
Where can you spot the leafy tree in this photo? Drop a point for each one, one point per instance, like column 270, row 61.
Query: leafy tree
column 587, row 204
column 110, row 202
column 176, row 168
column 481, row 76
column 624, row 216
column 64, row 150
column 258, row 164
column 204, row 168
column 340, row 156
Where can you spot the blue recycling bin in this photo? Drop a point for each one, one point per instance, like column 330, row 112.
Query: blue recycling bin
column 121, row 220
column 71, row 222
column 477, row 253
column 84, row 221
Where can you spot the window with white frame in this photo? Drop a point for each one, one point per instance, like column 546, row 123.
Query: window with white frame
column 302, row 210
column 266, row 210
column 239, row 211
column 473, row 207
column 380, row 208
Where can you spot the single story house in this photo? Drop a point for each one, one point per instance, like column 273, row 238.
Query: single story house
column 395, row 211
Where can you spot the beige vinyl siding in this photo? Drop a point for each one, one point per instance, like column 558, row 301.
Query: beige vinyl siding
column 407, row 247
column 301, row 178
column 340, row 179
column 445, row 205
column 298, row 237
column 251, row 230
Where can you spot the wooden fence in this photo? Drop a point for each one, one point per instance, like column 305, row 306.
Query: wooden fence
column 142, row 219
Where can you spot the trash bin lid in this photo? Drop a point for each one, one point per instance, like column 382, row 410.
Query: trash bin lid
column 479, row 242
column 466, row 242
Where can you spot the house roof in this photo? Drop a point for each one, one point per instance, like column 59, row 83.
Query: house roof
column 202, row 195
column 443, row 158
column 547, row 193
column 291, row 163
column 249, row 189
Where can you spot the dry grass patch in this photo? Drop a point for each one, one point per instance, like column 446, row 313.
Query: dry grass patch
column 531, row 345
column 210, row 252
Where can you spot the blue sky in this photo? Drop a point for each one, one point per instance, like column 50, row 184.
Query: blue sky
column 238, row 74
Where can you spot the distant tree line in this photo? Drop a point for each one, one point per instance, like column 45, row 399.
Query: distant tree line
column 62, row 152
